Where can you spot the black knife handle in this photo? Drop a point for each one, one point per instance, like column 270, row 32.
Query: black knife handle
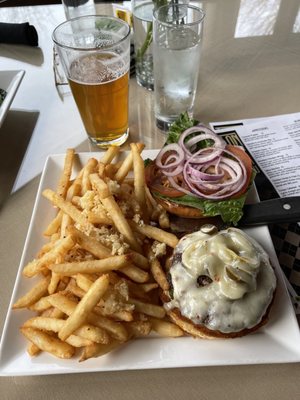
column 281, row 210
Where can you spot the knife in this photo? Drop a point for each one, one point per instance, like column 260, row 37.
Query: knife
column 281, row 210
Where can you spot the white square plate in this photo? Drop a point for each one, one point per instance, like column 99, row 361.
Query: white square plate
column 277, row 342
column 10, row 82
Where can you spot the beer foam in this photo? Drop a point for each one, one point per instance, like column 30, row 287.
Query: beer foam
column 97, row 68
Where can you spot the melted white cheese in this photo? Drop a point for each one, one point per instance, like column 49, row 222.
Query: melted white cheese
column 242, row 281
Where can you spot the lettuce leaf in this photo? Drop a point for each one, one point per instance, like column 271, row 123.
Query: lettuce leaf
column 182, row 123
column 231, row 211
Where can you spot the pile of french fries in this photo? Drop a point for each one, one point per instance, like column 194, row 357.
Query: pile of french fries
column 100, row 271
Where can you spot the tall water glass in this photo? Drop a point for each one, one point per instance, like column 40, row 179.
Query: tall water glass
column 142, row 11
column 177, row 37
column 77, row 8
column 95, row 54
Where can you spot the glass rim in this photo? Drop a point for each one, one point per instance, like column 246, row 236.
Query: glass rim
column 85, row 49
column 166, row 6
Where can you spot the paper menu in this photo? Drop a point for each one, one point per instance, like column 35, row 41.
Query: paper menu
column 274, row 144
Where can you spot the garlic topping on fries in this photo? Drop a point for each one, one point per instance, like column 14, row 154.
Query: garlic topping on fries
column 100, row 272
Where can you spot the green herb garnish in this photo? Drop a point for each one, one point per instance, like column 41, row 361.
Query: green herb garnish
column 149, row 36
column 182, row 123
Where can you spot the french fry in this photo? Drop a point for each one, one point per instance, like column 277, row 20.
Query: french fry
column 38, row 265
column 109, row 155
column 88, row 332
column 47, row 247
column 155, row 233
column 127, row 165
column 93, row 333
column 115, row 212
column 63, row 302
column 31, row 297
column 137, row 291
column 54, row 281
column 73, row 190
column 116, row 316
column 115, row 329
column 84, row 307
column 54, row 225
column 139, row 328
column 91, row 266
column 75, row 289
column 149, row 309
column 33, row 349
column 135, row 273
column 101, row 170
column 97, row 349
column 85, row 283
column 165, row 328
column 158, row 212
column 53, row 313
column 48, row 343
column 40, row 305
column 159, row 275
column 139, row 180
column 77, row 341
column 121, row 315
column 89, row 168
column 64, row 181
column 54, row 325
column 140, row 260
column 148, row 287
column 111, row 169
column 90, row 244
column 99, row 218
column 68, row 208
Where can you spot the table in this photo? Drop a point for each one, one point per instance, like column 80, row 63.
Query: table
column 250, row 68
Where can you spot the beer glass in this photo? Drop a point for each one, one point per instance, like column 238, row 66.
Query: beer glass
column 95, row 54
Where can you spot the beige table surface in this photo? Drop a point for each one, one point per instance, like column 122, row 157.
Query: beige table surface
column 250, row 68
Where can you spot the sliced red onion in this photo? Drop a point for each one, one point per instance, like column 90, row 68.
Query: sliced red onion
column 175, row 159
column 173, row 163
column 237, row 178
column 204, row 134
column 199, row 174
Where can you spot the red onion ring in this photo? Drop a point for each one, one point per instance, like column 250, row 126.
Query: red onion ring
column 205, row 133
column 177, row 158
column 237, row 178
column 199, row 174
column 173, row 164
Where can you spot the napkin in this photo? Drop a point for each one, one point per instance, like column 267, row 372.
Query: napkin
column 18, row 34
column 74, row 3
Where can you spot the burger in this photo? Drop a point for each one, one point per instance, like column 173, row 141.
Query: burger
column 222, row 284
column 197, row 175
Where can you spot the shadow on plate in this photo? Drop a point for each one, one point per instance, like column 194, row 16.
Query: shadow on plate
column 15, row 135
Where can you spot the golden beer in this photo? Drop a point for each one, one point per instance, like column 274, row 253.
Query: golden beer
column 99, row 84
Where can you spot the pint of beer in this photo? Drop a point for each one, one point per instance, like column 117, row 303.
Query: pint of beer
column 95, row 54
